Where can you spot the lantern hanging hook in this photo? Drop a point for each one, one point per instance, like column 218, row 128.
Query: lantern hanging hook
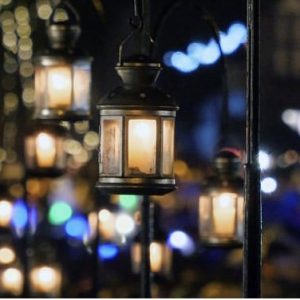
column 140, row 25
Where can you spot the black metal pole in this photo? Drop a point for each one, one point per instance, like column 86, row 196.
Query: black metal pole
column 95, row 270
column 146, row 233
column 253, row 219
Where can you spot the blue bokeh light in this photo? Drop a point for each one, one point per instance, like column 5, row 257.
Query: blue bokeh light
column 211, row 53
column 181, row 241
column 183, row 62
column 206, row 54
column 107, row 251
column 238, row 32
column 77, row 227
column 20, row 214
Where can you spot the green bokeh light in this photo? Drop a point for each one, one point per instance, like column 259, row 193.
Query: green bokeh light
column 128, row 202
column 59, row 213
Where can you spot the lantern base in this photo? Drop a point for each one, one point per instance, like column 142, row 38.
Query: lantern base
column 221, row 243
column 136, row 186
column 61, row 115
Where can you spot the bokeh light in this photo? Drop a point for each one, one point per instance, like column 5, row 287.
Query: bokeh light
column 77, row 227
column 107, row 251
column 180, row 240
column 268, row 185
column 59, row 213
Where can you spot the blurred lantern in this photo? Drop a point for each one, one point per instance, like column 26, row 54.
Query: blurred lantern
column 160, row 257
column 6, row 207
column 62, row 75
column 44, row 151
column 160, row 252
column 137, row 124
column 6, row 212
column 11, row 281
column 46, row 280
column 221, row 204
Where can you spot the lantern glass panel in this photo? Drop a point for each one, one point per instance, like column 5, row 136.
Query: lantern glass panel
column 168, row 146
column 59, row 82
column 111, row 146
column 142, row 142
column 82, row 83
column 224, row 213
column 45, row 150
column 205, row 210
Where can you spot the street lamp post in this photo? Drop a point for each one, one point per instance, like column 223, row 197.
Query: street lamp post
column 253, row 218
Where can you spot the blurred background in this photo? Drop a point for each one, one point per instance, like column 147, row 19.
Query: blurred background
column 56, row 225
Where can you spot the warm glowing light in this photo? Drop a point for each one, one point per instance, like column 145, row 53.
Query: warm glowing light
column 106, row 224
column 268, row 185
column 6, row 211
column 156, row 256
column 160, row 257
column 45, row 279
column 12, row 281
column 45, row 150
column 224, row 212
column 142, row 146
column 60, row 87
column 104, row 215
column 124, row 224
column 7, row 255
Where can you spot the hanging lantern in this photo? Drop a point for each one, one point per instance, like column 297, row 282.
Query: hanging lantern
column 137, row 124
column 63, row 75
column 160, row 257
column 221, row 204
column 44, row 151
column 46, row 280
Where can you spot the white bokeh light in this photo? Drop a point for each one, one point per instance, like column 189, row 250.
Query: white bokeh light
column 268, row 185
column 264, row 160
column 124, row 224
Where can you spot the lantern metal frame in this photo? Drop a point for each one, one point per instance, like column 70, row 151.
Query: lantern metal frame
column 138, row 98
column 63, row 35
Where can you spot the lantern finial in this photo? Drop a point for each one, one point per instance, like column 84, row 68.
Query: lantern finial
column 63, row 27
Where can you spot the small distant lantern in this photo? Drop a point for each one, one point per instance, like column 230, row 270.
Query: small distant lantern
column 160, row 257
column 6, row 207
column 137, row 123
column 11, row 281
column 44, row 150
column 46, row 280
column 63, row 75
column 221, row 204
